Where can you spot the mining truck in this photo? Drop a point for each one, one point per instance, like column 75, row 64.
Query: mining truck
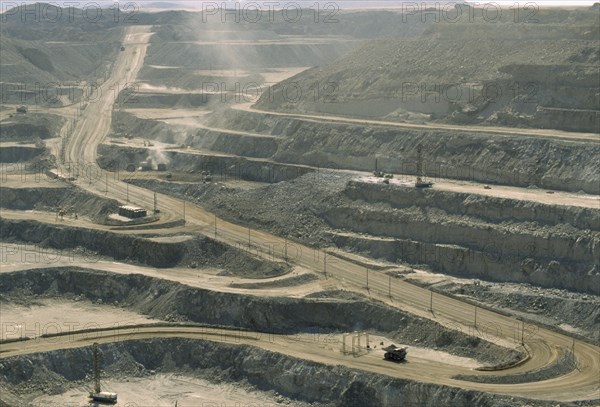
column 394, row 353
column 423, row 184
column 104, row 397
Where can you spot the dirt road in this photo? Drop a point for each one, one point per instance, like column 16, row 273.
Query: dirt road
column 507, row 131
column 325, row 350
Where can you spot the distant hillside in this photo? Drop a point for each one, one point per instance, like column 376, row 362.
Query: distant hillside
column 183, row 54
column 535, row 75
column 41, row 46
column 39, row 54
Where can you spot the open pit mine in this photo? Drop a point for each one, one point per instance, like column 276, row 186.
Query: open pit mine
column 343, row 204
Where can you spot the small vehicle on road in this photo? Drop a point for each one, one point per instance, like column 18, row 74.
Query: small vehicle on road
column 394, row 353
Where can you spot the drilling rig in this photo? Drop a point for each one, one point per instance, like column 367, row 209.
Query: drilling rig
column 98, row 395
column 420, row 173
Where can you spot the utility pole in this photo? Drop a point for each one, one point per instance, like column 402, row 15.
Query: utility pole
column 156, row 206
column 285, row 249
column 475, row 316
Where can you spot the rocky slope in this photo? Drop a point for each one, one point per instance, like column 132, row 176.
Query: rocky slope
column 194, row 252
column 51, row 199
column 167, row 300
column 30, row 127
column 477, row 156
column 523, row 161
column 304, row 381
column 461, row 234
column 467, row 71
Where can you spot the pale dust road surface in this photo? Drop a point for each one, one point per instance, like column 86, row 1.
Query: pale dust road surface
column 16, row 257
column 506, row 131
column 326, row 350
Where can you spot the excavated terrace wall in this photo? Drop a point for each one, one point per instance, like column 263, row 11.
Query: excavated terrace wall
column 546, row 162
column 117, row 246
column 247, row 146
column 468, row 262
column 199, row 251
column 235, row 144
column 582, row 252
column 15, row 154
column 488, row 208
column 294, row 378
column 568, row 119
column 31, row 127
column 168, row 300
column 255, row 146
column 112, row 156
column 51, row 199
column 474, row 236
column 24, row 131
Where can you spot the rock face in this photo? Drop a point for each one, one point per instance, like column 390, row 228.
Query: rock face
column 488, row 208
column 469, row 235
column 168, row 300
column 31, row 127
column 463, row 234
column 522, row 161
column 50, row 199
column 305, row 381
column 464, row 71
column 568, row 119
column 95, row 244
column 15, row 154
column 492, row 158
column 222, row 167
